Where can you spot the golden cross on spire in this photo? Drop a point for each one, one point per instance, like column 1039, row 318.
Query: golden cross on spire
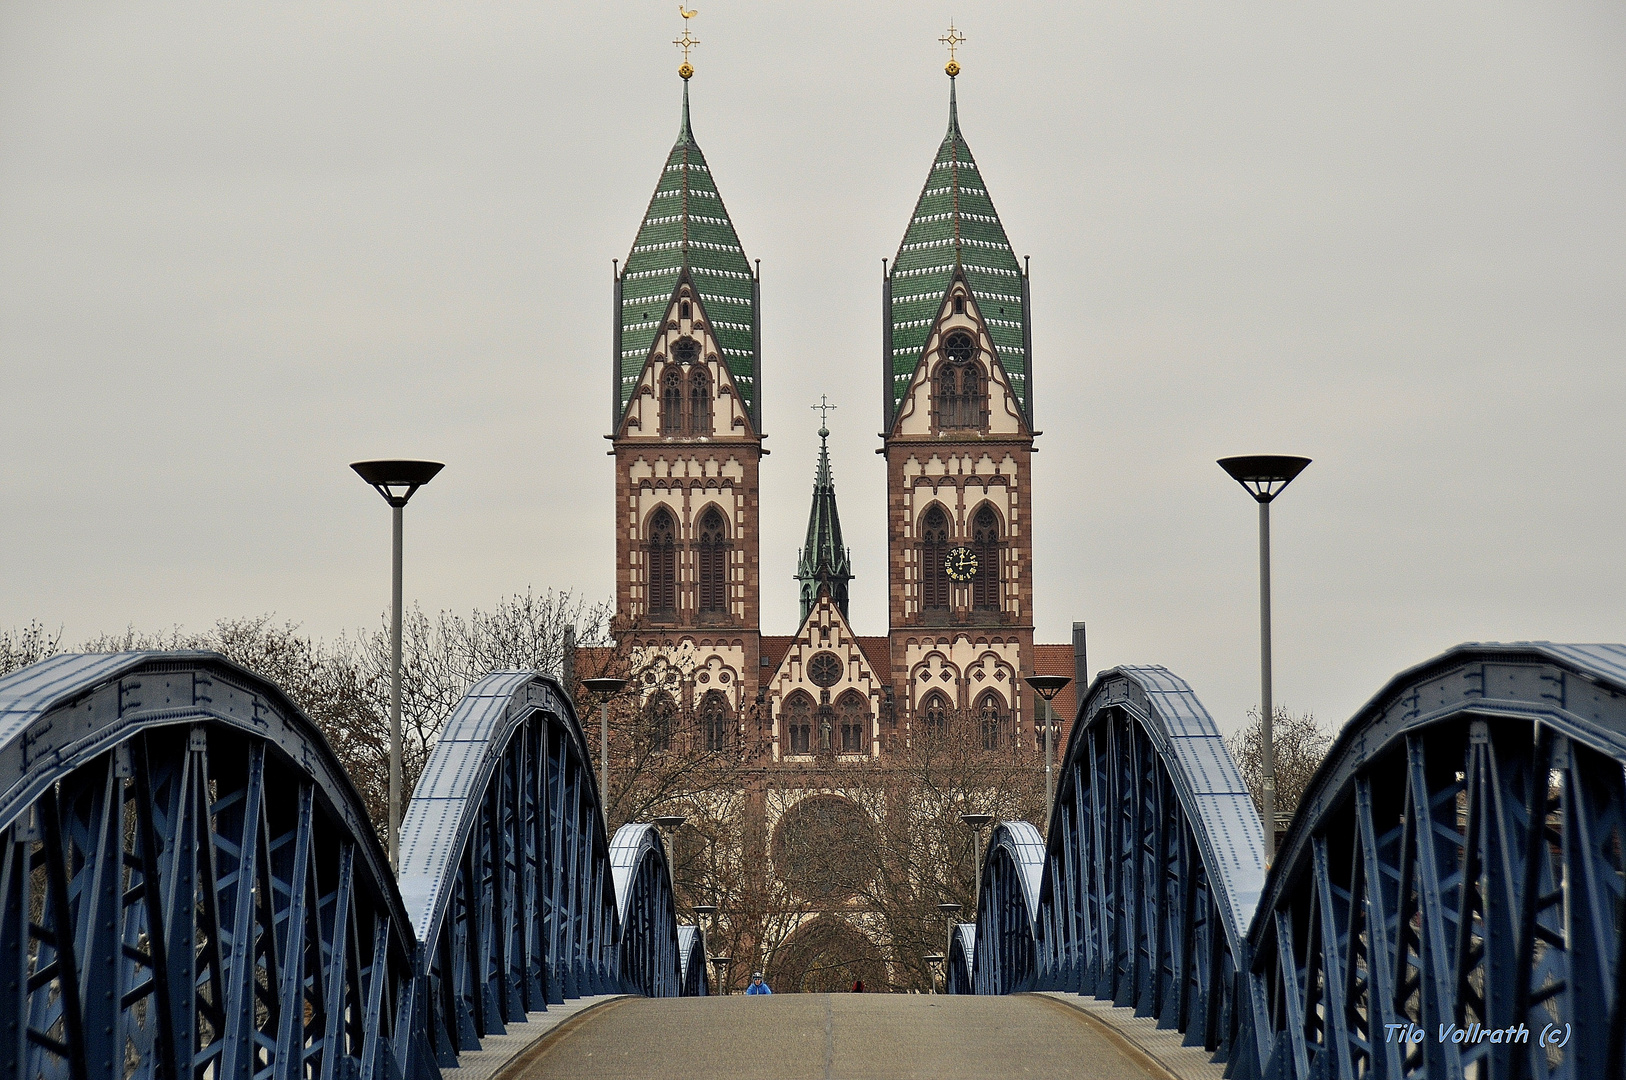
column 953, row 39
column 686, row 42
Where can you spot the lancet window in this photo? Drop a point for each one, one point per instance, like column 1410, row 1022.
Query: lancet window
column 798, row 717
column 934, row 549
column 985, row 541
column 660, row 555
column 713, row 563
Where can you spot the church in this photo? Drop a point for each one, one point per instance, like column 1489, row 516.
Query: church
column 821, row 709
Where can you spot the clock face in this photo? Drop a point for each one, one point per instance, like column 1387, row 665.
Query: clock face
column 961, row 564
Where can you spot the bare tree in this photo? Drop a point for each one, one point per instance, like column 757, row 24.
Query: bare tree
column 1299, row 742
column 30, row 645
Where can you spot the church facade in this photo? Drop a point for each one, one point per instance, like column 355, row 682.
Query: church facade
column 819, row 711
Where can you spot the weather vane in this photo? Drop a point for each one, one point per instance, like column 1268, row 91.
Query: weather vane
column 824, row 408
column 953, row 39
column 686, row 42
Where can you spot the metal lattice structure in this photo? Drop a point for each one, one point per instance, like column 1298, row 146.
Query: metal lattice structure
column 1459, row 860
column 190, row 884
column 692, row 956
column 1154, row 862
column 962, row 950
column 518, row 897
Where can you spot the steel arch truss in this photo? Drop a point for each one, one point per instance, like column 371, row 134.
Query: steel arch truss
column 650, row 962
column 1153, row 865
column 507, row 873
column 189, row 885
column 962, row 949
column 1458, row 862
column 1007, row 901
column 694, row 959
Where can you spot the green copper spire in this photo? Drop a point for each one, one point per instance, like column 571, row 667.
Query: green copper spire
column 686, row 230
column 955, row 228
column 824, row 563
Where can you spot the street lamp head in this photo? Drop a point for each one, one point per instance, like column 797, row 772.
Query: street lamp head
column 933, row 958
column 1264, row 476
column 705, row 909
column 397, row 480
column 605, row 684
column 976, row 821
column 670, row 821
column 1047, row 686
column 948, row 907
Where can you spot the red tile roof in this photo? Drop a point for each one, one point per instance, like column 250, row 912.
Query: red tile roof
column 1058, row 660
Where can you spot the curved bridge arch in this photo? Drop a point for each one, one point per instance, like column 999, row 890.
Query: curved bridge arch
column 962, row 949
column 650, row 961
column 153, row 801
column 692, row 955
column 1007, row 902
column 1459, row 859
column 1153, row 866
column 511, row 881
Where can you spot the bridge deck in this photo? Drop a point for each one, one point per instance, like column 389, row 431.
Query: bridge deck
column 835, row 1037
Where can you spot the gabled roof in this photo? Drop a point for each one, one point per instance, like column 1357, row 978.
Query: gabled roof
column 687, row 227
column 824, row 562
column 955, row 226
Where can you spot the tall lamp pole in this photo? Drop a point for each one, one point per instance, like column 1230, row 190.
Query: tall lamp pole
column 397, row 481
column 1047, row 687
column 1265, row 477
column 606, row 687
column 975, row 822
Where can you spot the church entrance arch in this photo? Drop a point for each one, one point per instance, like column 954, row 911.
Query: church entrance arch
column 826, row 956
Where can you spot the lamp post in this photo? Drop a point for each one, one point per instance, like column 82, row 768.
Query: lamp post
column 1047, row 687
column 933, row 959
column 949, row 911
column 700, row 912
column 721, row 964
column 606, row 686
column 976, row 822
column 1265, row 477
column 397, row 481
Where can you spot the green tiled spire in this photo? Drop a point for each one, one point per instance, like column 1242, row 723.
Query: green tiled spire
column 824, row 562
column 687, row 228
column 955, row 226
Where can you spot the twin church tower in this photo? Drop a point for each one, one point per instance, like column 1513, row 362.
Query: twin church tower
column 957, row 409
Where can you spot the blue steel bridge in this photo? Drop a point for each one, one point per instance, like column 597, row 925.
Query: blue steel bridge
column 190, row 889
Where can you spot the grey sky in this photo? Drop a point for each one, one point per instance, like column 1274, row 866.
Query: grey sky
column 242, row 245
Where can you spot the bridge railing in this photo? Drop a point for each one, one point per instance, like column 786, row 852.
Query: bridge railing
column 190, row 886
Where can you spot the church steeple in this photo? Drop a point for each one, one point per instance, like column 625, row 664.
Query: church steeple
column 824, row 563
column 955, row 229
column 686, row 232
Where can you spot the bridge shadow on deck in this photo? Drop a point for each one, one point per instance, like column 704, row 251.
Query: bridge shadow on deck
column 833, row 1037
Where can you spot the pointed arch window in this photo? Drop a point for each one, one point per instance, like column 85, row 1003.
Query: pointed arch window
column 699, row 402
column 660, row 556
column 672, row 401
column 660, row 716
column 985, row 541
column 960, row 389
column 991, row 720
column 852, row 715
column 934, row 549
column 798, row 717
column 715, row 720
column 713, row 563
column 934, row 715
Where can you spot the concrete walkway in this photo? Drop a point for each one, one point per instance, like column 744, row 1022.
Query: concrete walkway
column 835, row 1037
column 496, row 1051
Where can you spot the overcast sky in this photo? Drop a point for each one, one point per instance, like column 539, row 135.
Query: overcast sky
column 244, row 244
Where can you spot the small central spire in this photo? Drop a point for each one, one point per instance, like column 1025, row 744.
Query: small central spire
column 825, row 565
